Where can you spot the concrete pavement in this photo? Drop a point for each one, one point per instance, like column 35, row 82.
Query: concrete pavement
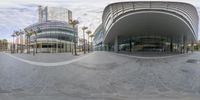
column 102, row 76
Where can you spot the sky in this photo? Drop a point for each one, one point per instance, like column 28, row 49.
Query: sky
column 17, row 14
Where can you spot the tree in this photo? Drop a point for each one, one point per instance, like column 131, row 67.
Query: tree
column 74, row 23
column 91, row 36
column 88, row 33
column 17, row 33
column 84, row 28
column 13, row 48
column 21, row 41
column 28, row 35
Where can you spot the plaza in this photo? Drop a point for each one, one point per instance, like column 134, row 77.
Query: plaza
column 100, row 76
column 136, row 50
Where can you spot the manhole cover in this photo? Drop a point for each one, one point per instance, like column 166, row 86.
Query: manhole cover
column 193, row 61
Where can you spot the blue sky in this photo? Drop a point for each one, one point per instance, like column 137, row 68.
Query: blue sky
column 17, row 14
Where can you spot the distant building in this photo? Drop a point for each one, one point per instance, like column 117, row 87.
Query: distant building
column 3, row 45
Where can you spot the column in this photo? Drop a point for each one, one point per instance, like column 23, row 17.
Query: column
column 192, row 47
column 130, row 45
column 184, row 45
column 56, row 47
column 171, row 45
column 116, row 44
column 65, row 47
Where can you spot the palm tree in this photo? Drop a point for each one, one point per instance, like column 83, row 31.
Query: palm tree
column 28, row 35
column 12, row 50
column 84, row 28
column 91, row 36
column 21, row 41
column 88, row 32
column 35, row 33
column 74, row 23
column 38, row 31
column 17, row 35
column 34, row 46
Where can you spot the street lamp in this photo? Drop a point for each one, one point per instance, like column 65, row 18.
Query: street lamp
column 91, row 36
column 13, row 35
column 28, row 34
column 74, row 23
column 21, row 41
column 17, row 33
column 84, row 28
column 88, row 32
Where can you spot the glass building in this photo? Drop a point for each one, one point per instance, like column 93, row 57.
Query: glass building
column 152, row 26
column 54, row 13
column 54, row 34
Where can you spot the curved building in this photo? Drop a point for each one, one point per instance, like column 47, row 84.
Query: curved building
column 52, row 36
column 53, row 32
column 150, row 26
column 98, row 38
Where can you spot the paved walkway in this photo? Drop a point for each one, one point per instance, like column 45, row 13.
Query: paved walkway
column 48, row 57
column 50, row 60
column 102, row 76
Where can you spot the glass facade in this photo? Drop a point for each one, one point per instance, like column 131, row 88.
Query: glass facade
column 53, row 33
column 143, row 26
column 148, row 44
column 53, row 36
column 54, row 13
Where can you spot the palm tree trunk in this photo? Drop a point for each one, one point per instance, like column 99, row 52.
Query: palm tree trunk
column 36, row 42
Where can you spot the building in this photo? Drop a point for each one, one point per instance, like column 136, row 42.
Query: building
column 54, row 13
column 98, row 38
column 54, row 34
column 3, row 45
column 148, row 26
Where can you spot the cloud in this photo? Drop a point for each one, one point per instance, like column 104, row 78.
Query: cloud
column 17, row 14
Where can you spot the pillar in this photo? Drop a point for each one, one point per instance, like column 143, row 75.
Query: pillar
column 184, row 44
column 116, row 44
column 56, row 47
column 192, row 47
column 65, row 47
column 130, row 45
column 171, row 45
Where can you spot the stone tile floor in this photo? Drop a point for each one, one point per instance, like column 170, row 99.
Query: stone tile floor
column 101, row 76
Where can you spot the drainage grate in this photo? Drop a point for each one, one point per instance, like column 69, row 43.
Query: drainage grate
column 193, row 61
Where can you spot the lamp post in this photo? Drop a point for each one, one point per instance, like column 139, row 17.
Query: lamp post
column 84, row 28
column 74, row 23
column 91, row 36
column 21, row 41
column 17, row 33
column 88, row 32
column 13, row 35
